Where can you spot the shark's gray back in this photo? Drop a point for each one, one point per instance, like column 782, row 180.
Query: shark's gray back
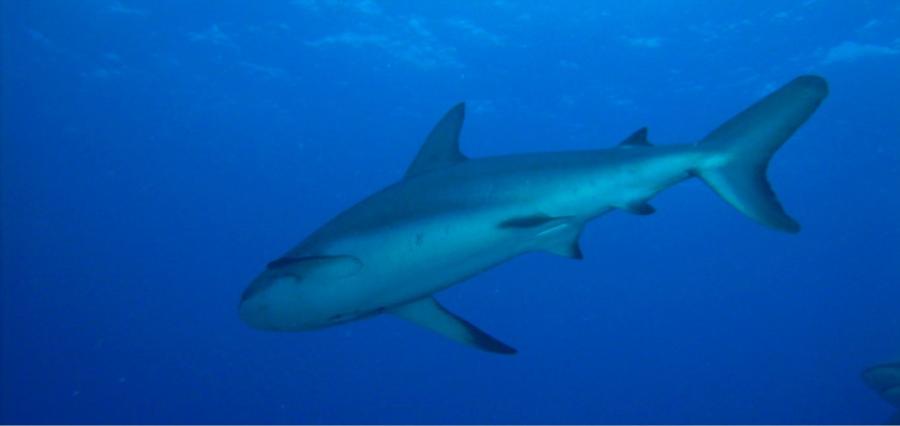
column 469, row 186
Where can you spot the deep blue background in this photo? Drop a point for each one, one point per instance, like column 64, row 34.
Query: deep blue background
column 156, row 154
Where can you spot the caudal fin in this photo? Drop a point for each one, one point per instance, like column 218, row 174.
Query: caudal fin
column 740, row 149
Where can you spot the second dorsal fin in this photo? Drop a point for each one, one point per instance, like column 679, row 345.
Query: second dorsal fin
column 441, row 148
column 638, row 138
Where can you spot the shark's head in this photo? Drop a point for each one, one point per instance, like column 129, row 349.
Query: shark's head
column 272, row 301
column 298, row 293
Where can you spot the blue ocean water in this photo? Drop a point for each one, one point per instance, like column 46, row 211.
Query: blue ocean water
column 156, row 154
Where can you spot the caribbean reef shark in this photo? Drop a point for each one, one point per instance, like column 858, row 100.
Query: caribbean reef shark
column 452, row 217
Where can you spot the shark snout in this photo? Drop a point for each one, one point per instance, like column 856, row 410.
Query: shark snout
column 256, row 287
column 275, row 301
column 254, row 305
column 253, row 311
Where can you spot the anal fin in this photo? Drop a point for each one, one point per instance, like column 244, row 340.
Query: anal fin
column 428, row 313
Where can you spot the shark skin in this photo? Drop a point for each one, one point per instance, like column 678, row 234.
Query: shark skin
column 452, row 217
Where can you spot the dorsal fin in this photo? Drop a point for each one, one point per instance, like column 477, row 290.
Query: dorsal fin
column 638, row 138
column 441, row 148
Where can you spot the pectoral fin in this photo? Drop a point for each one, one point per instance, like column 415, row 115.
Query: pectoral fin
column 430, row 314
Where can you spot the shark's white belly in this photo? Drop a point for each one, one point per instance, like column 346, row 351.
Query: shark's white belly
column 421, row 258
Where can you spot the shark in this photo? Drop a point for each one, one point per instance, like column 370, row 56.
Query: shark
column 885, row 379
column 452, row 217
